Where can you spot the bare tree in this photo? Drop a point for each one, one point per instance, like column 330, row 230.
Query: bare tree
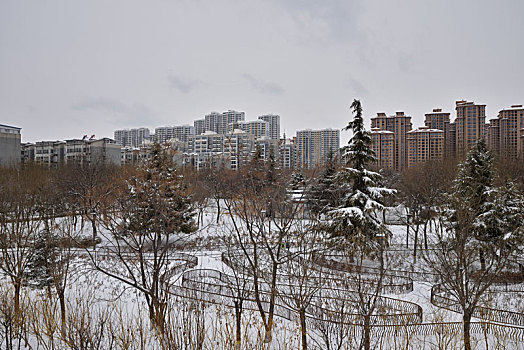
column 152, row 213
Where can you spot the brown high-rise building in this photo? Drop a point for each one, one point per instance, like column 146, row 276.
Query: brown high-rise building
column 399, row 124
column 493, row 135
column 450, row 139
column 436, row 119
column 382, row 142
column 470, row 125
column 505, row 134
column 425, row 144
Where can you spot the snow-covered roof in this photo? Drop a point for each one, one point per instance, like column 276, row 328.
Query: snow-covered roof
column 423, row 129
column 513, row 108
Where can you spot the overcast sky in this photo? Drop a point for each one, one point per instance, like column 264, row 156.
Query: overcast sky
column 69, row 68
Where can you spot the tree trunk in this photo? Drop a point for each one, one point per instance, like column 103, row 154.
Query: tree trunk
column 303, row 329
column 17, row 286
column 426, row 234
column 93, row 225
column 407, row 230
column 238, row 316
column 367, row 333
column 415, row 244
column 218, row 210
column 467, row 325
column 482, row 259
column 61, row 298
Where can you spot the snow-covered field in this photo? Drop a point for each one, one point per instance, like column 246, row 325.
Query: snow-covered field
column 105, row 313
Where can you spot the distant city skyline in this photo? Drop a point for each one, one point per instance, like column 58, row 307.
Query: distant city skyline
column 75, row 68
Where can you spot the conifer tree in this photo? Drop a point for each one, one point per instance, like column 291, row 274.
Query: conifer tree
column 356, row 219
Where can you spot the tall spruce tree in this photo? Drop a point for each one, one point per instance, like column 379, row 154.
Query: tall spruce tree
column 356, row 219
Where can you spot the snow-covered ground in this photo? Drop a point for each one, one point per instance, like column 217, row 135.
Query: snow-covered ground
column 99, row 303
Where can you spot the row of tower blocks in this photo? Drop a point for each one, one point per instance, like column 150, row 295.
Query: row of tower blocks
column 398, row 146
column 228, row 139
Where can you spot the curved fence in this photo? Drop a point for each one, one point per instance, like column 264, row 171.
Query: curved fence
column 440, row 298
column 388, row 310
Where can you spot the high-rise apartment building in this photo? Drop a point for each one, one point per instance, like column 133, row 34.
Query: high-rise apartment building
column 181, row 132
column 257, row 128
column 510, row 123
column 313, row 146
column 274, row 125
column 218, row 122
column 131, row 137
column 425, row 144
column 288, row 154
column 382, row 143
column 436, row 119
column 10, row 145
column 470, row 125
column 399, row 124
column 450, row 139
column 493, row 136
column 200, row 126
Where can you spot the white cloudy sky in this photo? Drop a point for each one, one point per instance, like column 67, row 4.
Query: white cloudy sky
column 71, row 67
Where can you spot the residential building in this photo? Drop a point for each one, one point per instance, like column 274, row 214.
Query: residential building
column 493, row 136
column 287, row 154
column 80, row 151
column 436, row 119
column 450, row 139
column 181, row 132
column 257, row 128
column 10, row 145
column 200, row 126
column 399, row 124
column 274, row 125
column 382, row 143
column 470, row 125
column 268, row 147
column 425, row 144
column 511, row 130
column 131, row 137
column 49, row 152
column 219, row 122
column 313, row 146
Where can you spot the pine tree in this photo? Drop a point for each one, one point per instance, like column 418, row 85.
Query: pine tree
column 356, row 219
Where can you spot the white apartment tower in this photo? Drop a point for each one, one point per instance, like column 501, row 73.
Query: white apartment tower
column 131, row 137
column 274, row 125
column 181, row 132
column 313, row 146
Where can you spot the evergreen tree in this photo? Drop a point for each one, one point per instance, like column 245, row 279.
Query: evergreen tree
column 356, row 219
column 323, row 195
column 38, row 272
column 158, row 197
column 472, row 186
column 502, row 218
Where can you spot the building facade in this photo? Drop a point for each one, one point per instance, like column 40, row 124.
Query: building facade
column 131, row 137
column 436, row 119
column 10, row 145
column 257, row 128
column 313, row 146
column 399, row 124
column 425, row 144
column 219, row 122
column 274, row 125
column 383, row 144
column 166, row 133
column 470, row 125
